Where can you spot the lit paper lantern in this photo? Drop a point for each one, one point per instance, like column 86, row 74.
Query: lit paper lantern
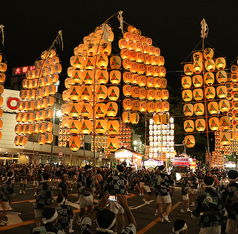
column 142, row 106
column 197, row 56
column 100, row 110
column 90, row 63
column 124, row 54
column 158, row 95
column 48, row 126
column 225, row 138
column 135, row 118
column 141, row 69
column 135, row 79
column 199, row 109
column 86, row 127
column 189, row 141
column 127, row 90
column 112, row 143
column 115, row 77
column 213, row 108
column 77, row 62
column 102, row 61
column 210, row 65
column 208, row 53
column 86, row 92
column 188, row 69
column 162, row 72
column 142, row 81
column 159, row 107
column 220, row 63
column 48, row 114
column 127, row 63
column 209, row 78
column 112, row 109
column 85, row 109
column 234, row 77
column 22, row 141
column 49, row 138
column 188, row 109
column 101, row 126
column 221, row 76
column 198, row 94
column 221, row 91
column 210, row 92
column 74, row 93
column 127, row 77
column 113, row 126
column 135, row 105
column 234, row 86
column 166, row 106
column 150, row 107
column 101, row 92
column 200, row 125
column 197, row 81
column 88, row 76
column 41, row 139
column 16, row 140
column 74, row 143
column 113, row 93
column 186, row 82
column 135, row 91
column 127, row 104
column 224, row 106
column 142, row 93
column 188, row 125
column 126, row 117
column 197, row 67
column 225, row 122
column 234, row 95
column 214, row 123
column 150, row 94
column 187, row 95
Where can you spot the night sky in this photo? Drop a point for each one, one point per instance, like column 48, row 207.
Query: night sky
column 174, row 26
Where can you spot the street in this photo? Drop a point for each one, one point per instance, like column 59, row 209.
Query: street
column 21, row 215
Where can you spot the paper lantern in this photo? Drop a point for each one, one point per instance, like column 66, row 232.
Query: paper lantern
column 102, row 61
column 75, row 126
column 234, row 96
column 165, row 94
column 234, row 77
column 189, row 141
column 142, row 106
column 126, row 117
column 197, row 67
column 225, row 138
column 74, row 93
column 3, row 78
column 113, row 126
column 86, row 109
column 135, row 118
column 214, row 123
column 187, row 95
column 22, row 141
column 90, row 63
column 101, row 126
column 200, row 125
column 48, row 126
column 86, row 92
column 221, row 91
column 197, row 56
column 77, row 62
column 220, row 63
column 48, row 114
column 113, row 93
column 150, row 107
column 1, row 112
column 73, row 110
column 213, row 108
column 3, row 67
column 135, row 79
column 127, row 63
column 224, row 106
column 88, row 77
column 197, row 81
column 74, row 143
column 210, row 65
column 112, row 143
column 198, row 94
column 135, row 91
column 165, row 119
column 208, row 53
column 135, row 105
column 49, row 138
column 159, row 107
column 141, row 69
column 188, row 69
column 225, row 122
column 198, row 109
column 112, row 109
column 127, row 77
column 127, row 90
column 188, row 125
column 142, row 93
column 158, row 95
column 16, row 140
column 166, row 106
column 86, row 127
column 106, row 48
column 41, row 139
column 124, row 54
column 210, row 93
column 162, row 72
column 100, row 110
column 221, row 76
column 115, row 77
column 115, row 62
column 142, row 81
column 209, row 78
column 188, row 109
column 157, row 119
column 234, row 86
column 131, row 45
column 127, row 104
column 101, row 92
column 163, row 83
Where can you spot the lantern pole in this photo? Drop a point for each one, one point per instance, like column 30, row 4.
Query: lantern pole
column 51, row 154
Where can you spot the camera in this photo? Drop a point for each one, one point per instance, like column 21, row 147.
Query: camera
column 112, row 198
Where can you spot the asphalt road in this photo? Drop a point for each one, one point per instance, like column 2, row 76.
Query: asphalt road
column 21, row 217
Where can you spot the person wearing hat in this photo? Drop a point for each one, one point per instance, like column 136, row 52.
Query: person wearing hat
column 64, row 187
column 162, row 186
column 180, row 227
column 6, row 194
column 44, row 197
column 210, row 204
column 49, row 219
column 184, row 192
column 106, row 219
column 230, row 198
column 85, row 189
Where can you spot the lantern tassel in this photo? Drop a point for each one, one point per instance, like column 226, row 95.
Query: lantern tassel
column 120, row 18
column 205, row 29
column 2, row 31
column 106, row 32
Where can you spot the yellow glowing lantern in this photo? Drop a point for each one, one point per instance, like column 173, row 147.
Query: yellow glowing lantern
column 115, row 77
column 101, row 126
column 225, row 122
column 138, row 46
column 140, row 57
column 142, row 93
column 22, row 140
column 48, row 114
column 163, row 83
column 157, row 119
column 221, row 76
column 74, row 143
column 210, row 92
column 77, row 62
column 188, row 109
column 142, row 81
column 102, row 76
column 200, row 125
column 35, row 128
column 88, row 76
column 150, row 107
column 73, row 109
column 74, row 93
column 86, row 92
column 197, row 56
column 115, row 62
column 186, row 82
column 161, row 61
column 113, row 93
column 225, row 138
column 198, row 94
column 214, row 123
column 234, row 77
column 208, row 53
column 106, row 48
column 142, row 106
column 166, row 106
column 112, row 143
column 124, row 54
column 126, row 117
column 3, row 67
column 68, row 82
column 48, row 138
column 213, row 108
column 162, row 71
column 187, row 95
column 199, row 109
column 90, row 63
column 141, row 69
column 3, row 78
column 131, row 45
column 101, row 92
column 113, row 126
column 224, row 105
column 135, row 105
column 127, row 104
column 209, row 78
column 188, row 69
column 135, row 91
column 16, row 140
column 150, row 82
column 234, row 86
column 134, row 79
column 127, row 90
column 48, row 126
column 102, row 61
column 220, row 63
column 159, row 107
column 112, row 109
column 135, row 118
column 189, row 141
column 157, row 83
column 134, row 67
column 41, row 139
column 165, row 94
column 210, row 65
column 86, row 109
column 234, row 96
column 197, row 67
column 197, row 81
column 188, row 125
column 132, row 55
column 86, row 127
column 221, row 91
column 127, row 63
column 100, row 110
column 127, row 77
column 29, row 129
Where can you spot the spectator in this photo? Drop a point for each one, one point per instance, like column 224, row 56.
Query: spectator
column 180, row 227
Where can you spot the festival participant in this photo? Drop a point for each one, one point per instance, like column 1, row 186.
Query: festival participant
column 85, row 189
column 147, row 185
column 64, row 187
column 55, row 180
column 210, row 205
column 162, row 185
column 173, row 178
column 184, row 192
column 180, row 227
column 141, row 184
column 50, row 220
column 106, row 219
column 193, row 187
column 23, row 179
column 230, row 198
column 35, row 177
column 6, row 194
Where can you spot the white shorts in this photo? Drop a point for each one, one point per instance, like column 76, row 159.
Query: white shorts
column 232, row 226
column 35, row 183
column 147, row 188
column 208, row 230
column 185, row 197
column 193, row 191
column 23, row 181
column 141, row 184
column 85, row 201
column 116, row 208
column 164, row 199
column 38, row 213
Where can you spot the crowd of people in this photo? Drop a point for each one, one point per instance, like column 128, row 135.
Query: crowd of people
column 211, row 196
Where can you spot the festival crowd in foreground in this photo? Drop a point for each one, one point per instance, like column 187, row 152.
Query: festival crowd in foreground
column 210, row 195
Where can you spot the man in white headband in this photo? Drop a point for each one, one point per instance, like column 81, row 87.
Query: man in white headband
column 180, row 227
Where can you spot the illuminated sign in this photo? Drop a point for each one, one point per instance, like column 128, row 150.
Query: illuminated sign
column 11, row 99
column 19, row 71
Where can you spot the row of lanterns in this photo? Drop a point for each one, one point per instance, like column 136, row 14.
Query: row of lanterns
column 124, row 136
